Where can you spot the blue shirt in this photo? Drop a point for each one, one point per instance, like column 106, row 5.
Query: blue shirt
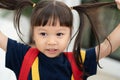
column 57, row 68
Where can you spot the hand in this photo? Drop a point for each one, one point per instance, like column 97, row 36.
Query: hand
column 118, row 3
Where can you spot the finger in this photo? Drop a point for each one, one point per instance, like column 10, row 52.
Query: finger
column 118, row 3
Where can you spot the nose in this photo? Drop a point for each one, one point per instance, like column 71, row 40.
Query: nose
column 52, row 40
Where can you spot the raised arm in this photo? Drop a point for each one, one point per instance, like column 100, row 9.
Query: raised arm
column 114, row 38
column 17, row 6
column 105, row 47
column 3, row 41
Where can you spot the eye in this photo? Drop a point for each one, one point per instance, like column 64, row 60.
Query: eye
column 43, row 34
column 60, row 34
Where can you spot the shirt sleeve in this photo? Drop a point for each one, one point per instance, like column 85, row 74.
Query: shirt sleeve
column 14, row 55
column 90, row 63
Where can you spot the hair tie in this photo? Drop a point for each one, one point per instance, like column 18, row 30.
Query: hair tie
column 34, row 5
column 71, row 8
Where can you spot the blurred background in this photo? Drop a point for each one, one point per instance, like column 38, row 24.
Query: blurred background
column 107, row 18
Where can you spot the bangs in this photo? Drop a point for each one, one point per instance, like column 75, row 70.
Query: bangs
column 52, row 12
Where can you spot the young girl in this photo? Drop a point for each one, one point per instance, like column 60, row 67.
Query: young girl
column 51, row 29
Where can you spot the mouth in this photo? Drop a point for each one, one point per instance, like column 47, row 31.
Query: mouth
column 51, row 50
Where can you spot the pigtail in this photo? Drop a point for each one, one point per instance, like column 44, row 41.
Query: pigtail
column 18, row 6
column 21, row 6
column 9, row 4
column 86, row 10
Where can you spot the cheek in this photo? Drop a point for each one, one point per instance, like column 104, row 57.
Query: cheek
column 65, row 41
column 40, row 44
column 39, row 41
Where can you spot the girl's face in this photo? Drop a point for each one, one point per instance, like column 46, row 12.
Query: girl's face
column 51, row 40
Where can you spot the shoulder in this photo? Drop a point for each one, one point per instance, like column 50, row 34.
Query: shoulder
column 16, row 48
column 90, row 53
column 90, row 62
column 16, row 45
column 14, row 55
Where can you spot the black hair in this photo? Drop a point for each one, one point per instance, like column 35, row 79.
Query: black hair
column 51, row 9
column 87, row 10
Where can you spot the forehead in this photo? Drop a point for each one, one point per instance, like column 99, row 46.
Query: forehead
column 52, row 28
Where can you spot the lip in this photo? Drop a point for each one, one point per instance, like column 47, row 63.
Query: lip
column 52, row 50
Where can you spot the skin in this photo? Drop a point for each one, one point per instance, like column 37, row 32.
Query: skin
column 51, row 44
column 114, row 38
column 51, row 40
column 118, row 3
